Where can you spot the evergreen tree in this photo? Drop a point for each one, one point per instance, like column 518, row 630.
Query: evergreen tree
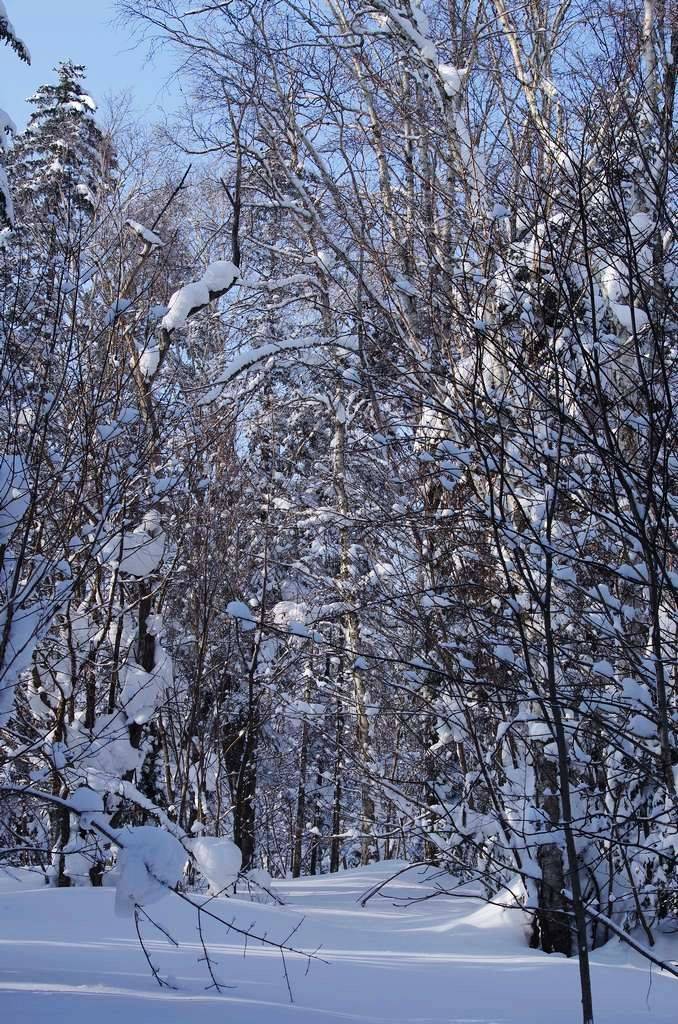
column 7, row 127
column 61, row 161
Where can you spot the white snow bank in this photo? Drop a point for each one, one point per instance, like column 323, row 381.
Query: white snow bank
column 292, row 616
column 105, row 753
column 261, row 885
column 632, row 319
column 117, row 309
column 260, row 876
column 86, row 801
column 252, row 357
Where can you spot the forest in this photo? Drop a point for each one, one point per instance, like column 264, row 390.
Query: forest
column 339, row 483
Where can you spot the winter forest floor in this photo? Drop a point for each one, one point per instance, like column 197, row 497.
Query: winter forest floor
column 65, row 956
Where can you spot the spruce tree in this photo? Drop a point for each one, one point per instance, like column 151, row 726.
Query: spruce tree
column 61, row 159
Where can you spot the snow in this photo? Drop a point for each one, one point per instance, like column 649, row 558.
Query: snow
column 218, row 859
column 7, row 128
column 106, row 753
column 83, row 190
column 148, row 360
column 403, row 285
column 217, row 279
column 109, row 431
column 504, row 653
column 149, row 860
column 633, row 573
column 5, row 196
column 142, row 691
column 240, row 611
column 260, row 886
column 251, row 357
column 119, row 307
column 141, row 554
column 85, row 800
column 220, row 275
column 642, row 726
column 631, row 319
column 66, row 957
column 416, row 33
column 452, row 78
column 18, row 44
column 138, row 552
column 144, row 233
column 27, row 624
column 292, row 616
column 260, row 877
column 325, row 260
column 183, row 302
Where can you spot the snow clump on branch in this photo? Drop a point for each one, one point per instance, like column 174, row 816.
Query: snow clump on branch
column 150, row 861
column 216, row 280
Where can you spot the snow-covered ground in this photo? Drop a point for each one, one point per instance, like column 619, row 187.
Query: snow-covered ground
column 66, row 957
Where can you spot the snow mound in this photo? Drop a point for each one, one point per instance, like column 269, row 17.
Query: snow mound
column 148, row 360
column 218, row 859
column 452, row 78
column 259, row 876
column 261, row 885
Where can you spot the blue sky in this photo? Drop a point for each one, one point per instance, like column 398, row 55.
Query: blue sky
column 86, row 31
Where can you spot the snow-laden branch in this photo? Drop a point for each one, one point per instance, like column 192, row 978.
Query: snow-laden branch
column 8, row 35
column 218, row 278
column 414, row 30
column 249, row 358
column 147, row 236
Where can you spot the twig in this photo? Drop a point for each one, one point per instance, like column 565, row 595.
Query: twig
column 367, row 896
column 154, row 970
column 218, row 985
